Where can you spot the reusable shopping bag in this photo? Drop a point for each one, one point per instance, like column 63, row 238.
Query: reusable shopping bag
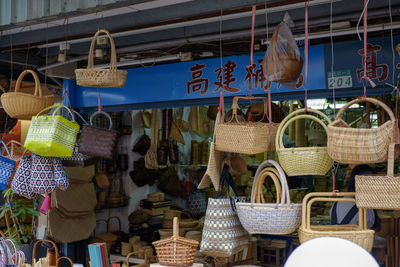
column 21, row 183
column 42, row 175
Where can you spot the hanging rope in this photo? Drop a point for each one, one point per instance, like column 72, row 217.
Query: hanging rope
column 99, row 107
column 334, row 171
column 306, row 55
column 332, row 60
column 251, row 66
column 221, row 96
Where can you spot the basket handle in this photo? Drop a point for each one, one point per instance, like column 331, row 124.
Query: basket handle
column 101, row 113
column 273, row 174
column 12, row 143
column 367, row 99
column 79, row 115
column 6, row 148
column 64, row 257
column 109, row 220
column 58, row 107
column 97, row 221
column 18, row 258
column 282, row 178
column 38, row 88
column 391, row 158
column 279, row 139
column 113, row 62
column 37, row 243
column 235, row 103
column 175, row 231
column 361, row 213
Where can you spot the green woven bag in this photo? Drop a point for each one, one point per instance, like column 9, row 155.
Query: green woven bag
column 52, row 135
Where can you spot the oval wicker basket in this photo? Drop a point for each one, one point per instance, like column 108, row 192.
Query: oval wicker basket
column 358, row 234
column 379, row 191
column 111, row 77
column 24, row 106
column 360, row 146
column 269, row 218
column 302, row 160
column 245, row 137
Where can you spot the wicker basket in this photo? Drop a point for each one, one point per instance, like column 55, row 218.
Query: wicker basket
column 379, row 191
column 245, row 137
column 269, row 218
column 358, row 234
column 111, row 77
column 302, row 160
column 24, row 106
column 360, row 146
column 176, row 250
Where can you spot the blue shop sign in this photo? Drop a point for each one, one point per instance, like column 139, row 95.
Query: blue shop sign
column 200, row 79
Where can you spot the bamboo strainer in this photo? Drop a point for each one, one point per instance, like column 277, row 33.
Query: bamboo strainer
column 176, row 250
column 358, row 234
column 302, row 160
column 19, row 105
column 111, row 77
column 378, row 191
column 360, row 146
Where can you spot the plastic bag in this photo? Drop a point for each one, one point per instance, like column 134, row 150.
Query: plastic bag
column 283, row 62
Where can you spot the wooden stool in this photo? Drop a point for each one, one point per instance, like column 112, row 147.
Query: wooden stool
column 273, row 252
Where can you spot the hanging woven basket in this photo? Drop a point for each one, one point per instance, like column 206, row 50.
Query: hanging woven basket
column 360, row 146
column 379, row 191
column 24, row 106
column 302, row 160
column 111, row 77
column 358, row 234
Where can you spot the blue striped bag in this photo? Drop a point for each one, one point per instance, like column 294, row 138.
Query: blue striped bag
column 6, row 168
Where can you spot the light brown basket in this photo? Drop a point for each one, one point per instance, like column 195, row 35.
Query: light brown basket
column 245, row 137
column 379, row 191
column 156, row 196
column 176, row 250
column 302, row 160
column 24, row 106
column 360, row 146
column 358, row 234
column 111, row 77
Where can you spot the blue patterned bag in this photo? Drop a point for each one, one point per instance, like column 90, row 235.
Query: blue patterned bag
column 6, row 168
column 60, row 175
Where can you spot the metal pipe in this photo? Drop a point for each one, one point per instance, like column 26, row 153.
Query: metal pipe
column 141, row 61
column 75, row 59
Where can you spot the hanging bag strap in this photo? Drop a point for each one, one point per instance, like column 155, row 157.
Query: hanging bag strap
column 101, row 113
column 57, row 108
column 6, row 148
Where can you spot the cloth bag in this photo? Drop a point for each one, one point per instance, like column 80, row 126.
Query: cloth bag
column 98, row 142
column 42, row 175
column 21, row 183
column 223, row 235
column 6, row 168
column 213, row 172
column 52, row 135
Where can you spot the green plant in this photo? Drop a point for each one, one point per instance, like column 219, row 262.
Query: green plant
column 19, row 210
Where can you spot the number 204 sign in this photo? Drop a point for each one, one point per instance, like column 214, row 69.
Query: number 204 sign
column 339, row 79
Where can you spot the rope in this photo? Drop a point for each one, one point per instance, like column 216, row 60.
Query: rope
column 334, row 171
column 251, row 66
column 332, row 60
column 306, row 55
column 99, row 104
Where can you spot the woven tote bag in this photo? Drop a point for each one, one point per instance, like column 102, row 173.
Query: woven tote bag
column 6, row 168
column 52, row 135
column 360, row 146
column 302, row 160
column 23, row 106
column 213, row 172
column 21, row 183
column 259, row 217
column 111, row 77
column 98, row 142
column 223, row 234
column 245, row 137
column 358, row 234
column 197, row 202
column 42, row 175
column 379, row 191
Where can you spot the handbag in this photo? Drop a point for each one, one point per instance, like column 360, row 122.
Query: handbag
column 142, row 145
column 52, row 135
column 42, row 175
column 21, row 183
column 6, row 168
column 98, row 142
column 197, row 202
column 223, row 235
column 60, row 175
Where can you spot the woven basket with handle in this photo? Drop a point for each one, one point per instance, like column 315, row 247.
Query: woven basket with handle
column 23, row 106
column 176, row 250
column 259, row 217
column 302, row 160
column 111, row 77
column 379, row 191
column 358, row 234
column 360, row 146
column 245, row 137
column 44, row 261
